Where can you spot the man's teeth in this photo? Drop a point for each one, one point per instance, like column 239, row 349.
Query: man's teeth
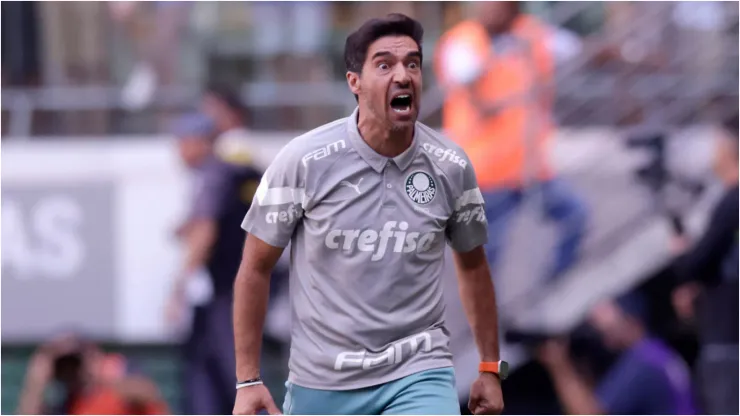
column 403, row 109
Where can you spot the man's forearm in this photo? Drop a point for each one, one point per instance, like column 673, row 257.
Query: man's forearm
column 479, row 300
column 31, row 399
column 575, row 395
column 251, row 291
column 200, row 240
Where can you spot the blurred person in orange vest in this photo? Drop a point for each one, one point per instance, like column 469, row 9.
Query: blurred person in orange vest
column 87, row 380
column 498, row 74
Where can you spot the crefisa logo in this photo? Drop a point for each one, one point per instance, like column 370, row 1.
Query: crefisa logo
column 420, row 187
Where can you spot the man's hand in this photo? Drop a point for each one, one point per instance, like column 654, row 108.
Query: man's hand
column 176, row 304
column 485, row 395
column 250, row 400
column 553, row 352
column 574, row 393
column 40, row 368
column 41, row 371
column 679, row 245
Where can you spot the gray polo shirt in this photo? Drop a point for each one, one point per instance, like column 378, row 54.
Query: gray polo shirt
column 367, row 238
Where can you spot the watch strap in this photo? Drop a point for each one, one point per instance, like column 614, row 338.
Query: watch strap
column 489, row 367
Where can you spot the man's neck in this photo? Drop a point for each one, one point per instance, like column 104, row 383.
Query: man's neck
column 385, row 141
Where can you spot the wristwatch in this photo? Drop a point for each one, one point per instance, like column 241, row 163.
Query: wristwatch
column 500, row 368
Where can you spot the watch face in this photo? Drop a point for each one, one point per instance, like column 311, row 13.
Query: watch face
column 503, row 369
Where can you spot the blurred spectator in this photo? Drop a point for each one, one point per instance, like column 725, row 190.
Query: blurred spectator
column 298, row 28
column 89, row 380
column 709, row 272
column 233, row 142
column 226, row 110
column 213, row 243
column 155, row 44
column 293, row 35
column 647, row 378
column 498, row 73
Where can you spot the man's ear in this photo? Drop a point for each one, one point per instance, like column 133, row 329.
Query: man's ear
column 353, row 80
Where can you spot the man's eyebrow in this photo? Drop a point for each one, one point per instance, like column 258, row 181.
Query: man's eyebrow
column 381, row 54
column 412, row 54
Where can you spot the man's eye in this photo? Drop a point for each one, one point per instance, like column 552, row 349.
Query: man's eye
column 383, row 66
column 413, row 65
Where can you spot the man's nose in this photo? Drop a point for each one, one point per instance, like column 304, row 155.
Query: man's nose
column 401, row 76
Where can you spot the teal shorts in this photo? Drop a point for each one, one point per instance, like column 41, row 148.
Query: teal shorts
column 430, row 392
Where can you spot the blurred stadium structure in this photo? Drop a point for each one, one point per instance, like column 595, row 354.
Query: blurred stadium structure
column 92, row 188
column 679, row 60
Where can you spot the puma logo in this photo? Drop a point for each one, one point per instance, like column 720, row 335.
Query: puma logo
column 353, row 186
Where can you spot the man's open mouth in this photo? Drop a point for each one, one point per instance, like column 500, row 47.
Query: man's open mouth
column 401, row 103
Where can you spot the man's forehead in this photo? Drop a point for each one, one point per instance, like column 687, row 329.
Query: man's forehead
column 397, row 45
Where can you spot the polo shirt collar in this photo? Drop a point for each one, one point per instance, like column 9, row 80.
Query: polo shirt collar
column 374, row 159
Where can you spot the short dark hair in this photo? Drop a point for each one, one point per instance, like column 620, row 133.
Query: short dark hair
column 634, row 305
column 229, row 98
column 358, row 42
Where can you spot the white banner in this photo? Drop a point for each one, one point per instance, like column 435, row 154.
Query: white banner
column 127, row 198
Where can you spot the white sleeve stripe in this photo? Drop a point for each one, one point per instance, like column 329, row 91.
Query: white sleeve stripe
column 471, row 196
column 280, row 196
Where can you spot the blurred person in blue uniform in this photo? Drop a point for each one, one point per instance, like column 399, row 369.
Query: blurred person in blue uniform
column 221, row 195
column 648, row 377
column 707, row 292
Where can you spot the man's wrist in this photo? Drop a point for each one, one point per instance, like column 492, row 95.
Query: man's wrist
column 490, row 358
column 250, row 373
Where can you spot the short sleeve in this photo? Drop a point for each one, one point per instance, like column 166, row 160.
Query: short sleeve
column 461, row 65
column 467, row 227
column 277, row 206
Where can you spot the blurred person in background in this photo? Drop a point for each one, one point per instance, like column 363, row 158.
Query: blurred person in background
column 155, row 36
column 221, row 195
column 498, row 73
column 86, row 381
column 708, row 277
column 648, row 376
column 233, row 141
column 294, row 35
